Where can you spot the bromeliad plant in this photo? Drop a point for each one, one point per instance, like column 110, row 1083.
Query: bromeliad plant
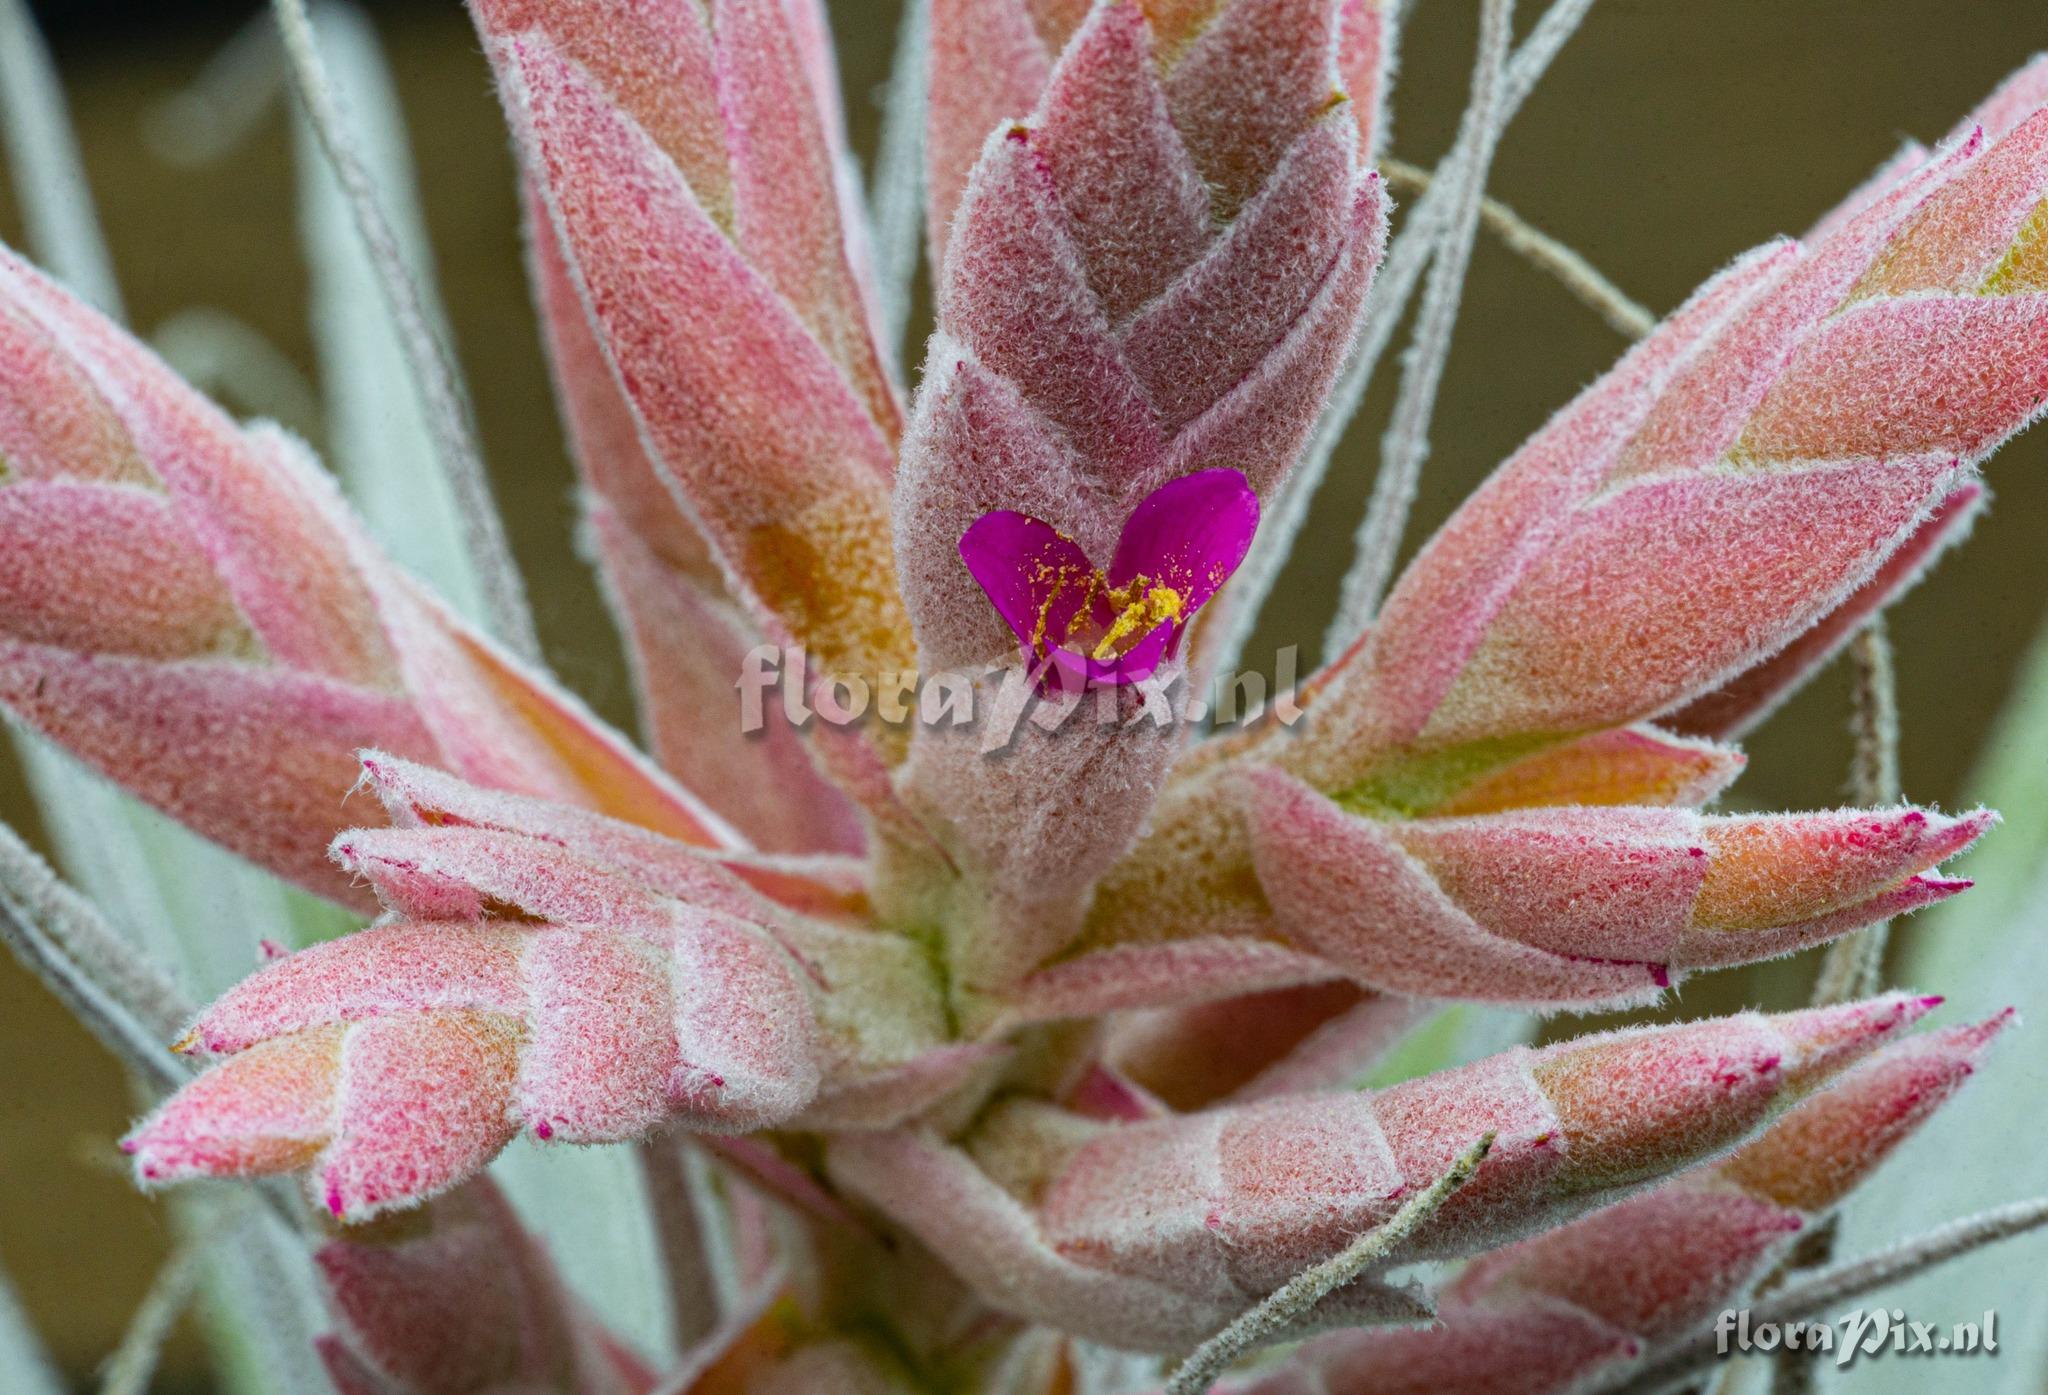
column 1001, row 1061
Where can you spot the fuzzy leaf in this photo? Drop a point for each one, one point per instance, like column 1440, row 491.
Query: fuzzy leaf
column 1141, row 1233
column 552, row 969
column 749, row 418
column 1540, row 906
column 1659, row 1266
column 1692, row 536
column 236, row 636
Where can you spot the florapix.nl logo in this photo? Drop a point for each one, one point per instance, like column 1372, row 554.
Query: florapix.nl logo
column 1865, row 1332
column 999, row 699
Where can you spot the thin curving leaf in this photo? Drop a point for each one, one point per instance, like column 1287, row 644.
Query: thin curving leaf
column 1985, row 1151
column 897, row 195
column 261, row 1305
column 382, row 443
column 41, row 145
column 1406, row 444
column 58, row 936
column 435, row 376
column 21, row 1353
column 132, row 1368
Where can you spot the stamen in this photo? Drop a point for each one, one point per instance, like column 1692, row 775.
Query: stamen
column 1137, row 617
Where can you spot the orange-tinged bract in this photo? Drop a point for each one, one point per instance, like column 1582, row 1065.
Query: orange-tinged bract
column 1155, row 1232
column 1621, row 1282
column 192, row 611
column 1683, row 543
column 1014, row 1058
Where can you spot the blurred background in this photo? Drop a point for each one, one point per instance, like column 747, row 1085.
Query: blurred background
column 1666, row 139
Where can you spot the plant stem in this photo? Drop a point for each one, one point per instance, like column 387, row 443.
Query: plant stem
column 1571, row 270
column 131, row 1368
column 62, row 939
column 434, row 372
column 1688, row 1360
column 672, row 1202
column 1854, row 966
column 1405, row 446
column 1282, row 1309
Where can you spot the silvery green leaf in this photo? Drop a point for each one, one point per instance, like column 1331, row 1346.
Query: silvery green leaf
column 22, row 1357
column 590, row 1207
column 1985, row 952
column 43, row 150
column 378, row 436
column 262, row 1307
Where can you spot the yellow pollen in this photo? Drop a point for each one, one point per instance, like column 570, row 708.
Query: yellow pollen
column 1055, row 580
column 1138, row 614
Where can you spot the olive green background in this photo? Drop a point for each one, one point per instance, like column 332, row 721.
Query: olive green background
column 1669, row 137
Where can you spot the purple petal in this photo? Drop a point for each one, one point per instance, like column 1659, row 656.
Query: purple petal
column 1189, row 534
column 1037, row 578
column 1186, row 537
column 1077, row 671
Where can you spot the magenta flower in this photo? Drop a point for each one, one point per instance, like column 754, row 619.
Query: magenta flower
column 1181, row 544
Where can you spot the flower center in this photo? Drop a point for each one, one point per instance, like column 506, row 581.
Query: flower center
column 1140, row 608
column 1115, row 623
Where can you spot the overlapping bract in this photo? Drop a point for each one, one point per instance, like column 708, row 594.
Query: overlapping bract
column 1155, row 1232
column 1838, row 392
column 1142, row 282
column 1541, row 1315
column 1257, row 880
column 686, row 172
column 463, row 1302
column 990, row 61
column 1681, row 545
column 1580, row 904
column 685, row 636
column 187, row 605
column 768, row 169
column 545, row 969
